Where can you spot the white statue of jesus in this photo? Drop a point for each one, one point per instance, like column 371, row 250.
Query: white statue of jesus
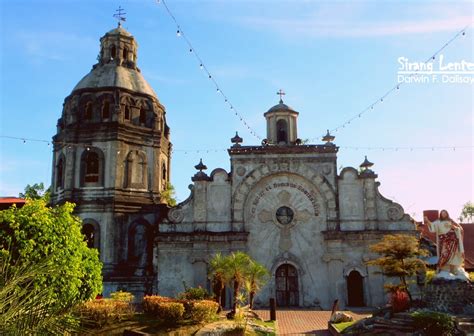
column 449, row 247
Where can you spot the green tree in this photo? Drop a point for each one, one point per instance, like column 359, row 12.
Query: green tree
column 257, row 277
column 467, row 213
column 35, row 232
column 26, row 310
column 399, row 258
column 36, row 191
column 169, row 195
column 217, row 273
column 236, row 268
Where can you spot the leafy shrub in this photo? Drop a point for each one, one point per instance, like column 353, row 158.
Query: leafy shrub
column 170, row 311
column 434, row 323
column 400, row 301
column 163, row 307
column 122, row 296
column 194, row 293
column 203, row 310
column 98, row 313
column 150, row 303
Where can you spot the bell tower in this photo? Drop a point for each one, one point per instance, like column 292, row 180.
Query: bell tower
column 281, row 124
column 111, row 157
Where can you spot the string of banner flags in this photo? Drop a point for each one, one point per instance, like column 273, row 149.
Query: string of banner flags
column 71, row 145
column 370, row 107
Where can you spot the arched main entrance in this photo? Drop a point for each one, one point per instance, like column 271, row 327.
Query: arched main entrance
column 286, row 280
column 355, row 289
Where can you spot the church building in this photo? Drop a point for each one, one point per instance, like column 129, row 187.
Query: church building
column 282, row 202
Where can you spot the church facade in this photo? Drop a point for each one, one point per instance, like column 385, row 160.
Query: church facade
column 283, row 202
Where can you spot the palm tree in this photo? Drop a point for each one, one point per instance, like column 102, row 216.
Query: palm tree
column 217, row 274
column 257, row 276
column 236, row 273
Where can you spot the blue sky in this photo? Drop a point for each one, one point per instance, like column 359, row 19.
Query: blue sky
column 331, row 58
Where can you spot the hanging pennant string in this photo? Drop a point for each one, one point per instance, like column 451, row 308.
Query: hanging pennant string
column 245, row 148
column 192, row 50
column 395, row 88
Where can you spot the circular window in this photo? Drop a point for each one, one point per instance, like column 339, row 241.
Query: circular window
column 284, row 215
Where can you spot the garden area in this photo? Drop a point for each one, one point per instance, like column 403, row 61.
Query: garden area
column 439, row 308
column 50, row 283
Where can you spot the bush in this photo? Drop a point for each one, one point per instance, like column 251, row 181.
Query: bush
column 163, row 307
column 204, row 310
column 122, row 296
column 400, row 301
column 170, row 311
column 194, row 293
column 150, row 303
column 434, row 323
column 98, row 313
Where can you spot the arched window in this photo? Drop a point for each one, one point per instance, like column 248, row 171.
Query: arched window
column 125, row 54
column 92, row 167
column 127, row 112
column 60, row 173
column 163, row 175
column 91, row 231
column 282, row 131
column 88, row 111
column 88, row 231
column 106, row 110
column 113, row 51
column 142, row 119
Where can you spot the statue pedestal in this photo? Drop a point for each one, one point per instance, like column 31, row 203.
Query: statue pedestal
column 450, row 296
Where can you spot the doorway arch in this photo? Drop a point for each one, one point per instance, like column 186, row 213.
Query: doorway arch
column 355, row 289
column 286, row 281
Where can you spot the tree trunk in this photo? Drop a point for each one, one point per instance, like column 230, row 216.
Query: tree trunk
column 236, row 293
column 217, row 289
column 251, row 297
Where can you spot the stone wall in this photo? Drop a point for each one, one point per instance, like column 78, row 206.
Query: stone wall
column 452, row 296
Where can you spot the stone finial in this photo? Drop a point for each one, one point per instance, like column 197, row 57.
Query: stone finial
column 365, row 169
column 236, row 140
column 200, row 166
column 366, row 164
column 328, row 138
column 200, row 175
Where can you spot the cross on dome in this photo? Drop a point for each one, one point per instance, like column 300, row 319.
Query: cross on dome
column 281, row 93
column 120, row 15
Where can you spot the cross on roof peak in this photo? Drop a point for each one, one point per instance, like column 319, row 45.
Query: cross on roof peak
column 281, row 93
column 120, row 15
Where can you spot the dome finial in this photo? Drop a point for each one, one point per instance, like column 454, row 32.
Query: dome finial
column 281, row 93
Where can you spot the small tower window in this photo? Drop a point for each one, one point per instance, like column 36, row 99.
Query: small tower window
column 60, row 173
column 142, row 119
column 125, row 54
column 88, row 111
column 282, row 131
column 91, row 173
column 88, row 231
column 106, row 110
column 113, row 51
column 127, row 112
column 163, row 175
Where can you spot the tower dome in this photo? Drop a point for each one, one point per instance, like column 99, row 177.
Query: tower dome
column 117, row 65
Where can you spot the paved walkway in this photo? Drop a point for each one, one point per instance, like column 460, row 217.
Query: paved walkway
column 303, row 321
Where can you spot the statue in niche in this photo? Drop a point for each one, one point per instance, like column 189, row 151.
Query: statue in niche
column 449, row 247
